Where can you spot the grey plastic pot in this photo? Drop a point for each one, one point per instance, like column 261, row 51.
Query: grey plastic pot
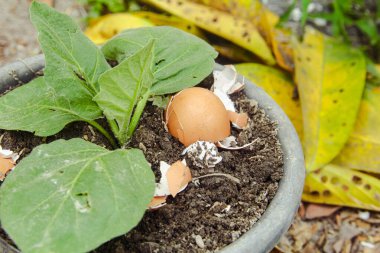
column 265, row 234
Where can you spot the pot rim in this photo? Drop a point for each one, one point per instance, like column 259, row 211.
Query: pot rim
column 266, row 232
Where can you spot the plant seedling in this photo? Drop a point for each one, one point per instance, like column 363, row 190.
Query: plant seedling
column 72, row 195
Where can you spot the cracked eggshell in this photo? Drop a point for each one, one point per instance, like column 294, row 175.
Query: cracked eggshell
column 239, row 120
column 7, row 162
column 197, row 114
column 6, row 165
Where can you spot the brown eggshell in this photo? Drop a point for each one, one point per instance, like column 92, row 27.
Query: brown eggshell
column 178, row 175
column 6, row 165
column 240, row 119
column 197, row 114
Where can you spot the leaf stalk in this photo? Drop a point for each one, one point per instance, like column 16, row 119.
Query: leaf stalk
column 104, row 132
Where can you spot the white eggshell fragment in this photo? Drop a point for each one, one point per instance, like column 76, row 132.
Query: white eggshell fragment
column 226, row 80
column 8, row 160
column 230, row 143
column 203, row 154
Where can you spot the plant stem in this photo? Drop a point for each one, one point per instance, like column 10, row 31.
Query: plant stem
column 104, row 132
column 113, row 126
column 137, row 114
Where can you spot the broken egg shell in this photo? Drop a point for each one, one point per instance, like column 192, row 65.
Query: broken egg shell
column 174, row 178
column 240, row 120
column 197, row 114
column 178, row 177
column 157, row 202
column 6, row 165
column 203, row 154
column 230, row 143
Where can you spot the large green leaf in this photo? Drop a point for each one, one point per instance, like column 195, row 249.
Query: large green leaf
column 122, row 87
column 71, row 58
column 41, row 108
column 72, row 196
column 330, row 77
column 73, row 66
column 181, row 59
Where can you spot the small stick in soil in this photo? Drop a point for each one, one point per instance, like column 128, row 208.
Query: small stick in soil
column 91, row 130
column 256, row 157
column 1, row 138
column 232, row 178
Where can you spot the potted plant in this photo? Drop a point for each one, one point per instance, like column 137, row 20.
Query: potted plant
column 72, row 195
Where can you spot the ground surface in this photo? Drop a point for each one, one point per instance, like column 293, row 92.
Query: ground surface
column 347, row 230
column 17, row 35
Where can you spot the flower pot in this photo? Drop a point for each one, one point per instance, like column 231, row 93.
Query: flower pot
column 264, row 235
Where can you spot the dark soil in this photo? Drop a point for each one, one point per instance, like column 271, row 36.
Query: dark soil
column 213, row 211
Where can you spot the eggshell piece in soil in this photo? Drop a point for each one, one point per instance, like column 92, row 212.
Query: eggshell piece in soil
column 178, row 176
column 197, row 114
column 239, row 120
column 157, row 202
column 6, row 165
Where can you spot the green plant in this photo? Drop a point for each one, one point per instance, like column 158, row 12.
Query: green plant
column 99, row 7
column 342, row 15
column 71, row 196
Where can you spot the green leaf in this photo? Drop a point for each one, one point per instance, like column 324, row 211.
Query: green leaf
column 72, row 196
column 181, row 59
column 369, row 27
column 286, row 15
column 304, row 6
column 65, row 93
column 70, row 56
column 122, row 87
column 41, row 108
column 160, row 101
column 330, row 76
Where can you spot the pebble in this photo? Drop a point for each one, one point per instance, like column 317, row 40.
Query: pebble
column 199, row 241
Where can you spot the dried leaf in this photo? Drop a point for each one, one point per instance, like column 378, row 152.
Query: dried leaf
column 279, row 38
column 330, row 77
column 363, row 147
column 103, row 28
column 234, row 53
column 314, row 211
column 238, row 30
column 340, row 186
column 278, row 85
column 241, row 8
column 165, row 20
